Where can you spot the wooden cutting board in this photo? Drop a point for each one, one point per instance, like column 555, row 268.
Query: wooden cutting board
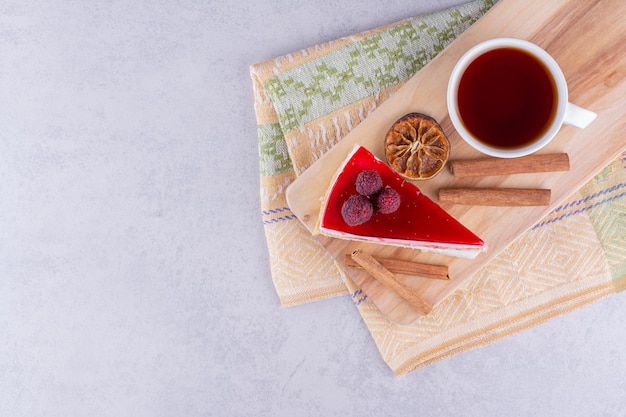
column 588, row 40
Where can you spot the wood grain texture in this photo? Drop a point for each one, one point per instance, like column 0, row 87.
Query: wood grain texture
column 588, row 40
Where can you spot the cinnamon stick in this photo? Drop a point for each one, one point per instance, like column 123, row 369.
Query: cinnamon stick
column 506, row 166
column 388, row 279
column 406, row 267
column 495, row 196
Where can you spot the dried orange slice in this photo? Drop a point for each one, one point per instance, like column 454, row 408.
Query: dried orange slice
column 416, row 146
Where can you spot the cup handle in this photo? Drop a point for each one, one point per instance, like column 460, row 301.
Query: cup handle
column 577, row 116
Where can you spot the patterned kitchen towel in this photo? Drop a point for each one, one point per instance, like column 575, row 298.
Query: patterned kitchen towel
column 574, row 256
column 307, row 101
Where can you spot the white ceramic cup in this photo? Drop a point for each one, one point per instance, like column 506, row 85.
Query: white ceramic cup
column 565, row 113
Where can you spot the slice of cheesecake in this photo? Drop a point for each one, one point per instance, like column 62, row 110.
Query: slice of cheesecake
column 387, row 209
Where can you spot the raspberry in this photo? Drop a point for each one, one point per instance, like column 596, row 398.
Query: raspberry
column 368, row 182
column 388, row 201
column 357, row 210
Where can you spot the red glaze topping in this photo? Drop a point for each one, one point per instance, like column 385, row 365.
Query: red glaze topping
column 418, row 218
